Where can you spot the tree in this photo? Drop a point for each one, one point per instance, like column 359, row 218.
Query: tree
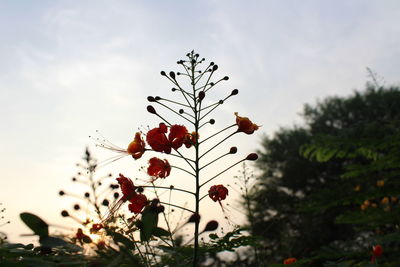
column 303, row 205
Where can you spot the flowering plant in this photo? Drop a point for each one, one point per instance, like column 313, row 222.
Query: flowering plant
column 169, row 139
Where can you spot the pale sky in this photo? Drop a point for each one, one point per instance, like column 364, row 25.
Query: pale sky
column 69, row 68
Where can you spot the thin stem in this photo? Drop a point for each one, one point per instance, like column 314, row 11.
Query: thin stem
column 182, row 169
column 164, row 187
column 215, row 176
column 171, row 101
column 179, row 156
column 220, row 142
column 211, row 136
column 203, row 197
column 186, row 160
column 211, row 162
column 174, row 112
column 176, row 206
column 165, row 218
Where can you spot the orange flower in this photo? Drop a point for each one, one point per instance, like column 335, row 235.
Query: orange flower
column 127, row 187
column 380, row 183
column 190, row 139
column 157, row 140
column 218, row 192
column 245, row 125
column 289, row 260
column 137, row 203
column 137, row 147
column 158, row 168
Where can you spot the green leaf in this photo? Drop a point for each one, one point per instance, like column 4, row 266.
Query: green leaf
column 149, row 223
column 213, row 236
column 159, row 232
column 119, row 238
column 37, row 225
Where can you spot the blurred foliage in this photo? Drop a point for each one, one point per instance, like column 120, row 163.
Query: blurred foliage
column 328, row 190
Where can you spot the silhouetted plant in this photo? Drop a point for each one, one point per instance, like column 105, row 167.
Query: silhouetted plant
column 169, row 138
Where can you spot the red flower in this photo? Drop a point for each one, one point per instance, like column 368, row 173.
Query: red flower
column 127, row 187
column 218, row 192
column 157, row 140
column 245, row 125
column 190, row 139
column 137, row 203
column 137, row 147
column 96, row 227
column 158, row 168
column 289, row 260
column 80, row 236
column 177, row 135
column 377, row 251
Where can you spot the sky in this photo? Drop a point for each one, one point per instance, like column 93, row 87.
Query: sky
column 69, row 68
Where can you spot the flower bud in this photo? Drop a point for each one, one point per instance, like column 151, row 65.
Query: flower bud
column 61, row 193
column 234, row 92
column 64, row 213
column 157, row 98
column 105, row 202
column 163, row 73
column 151, row 109
column 140, row 189
column 181, row 111
column 226, row 78
column 252, row 157
column 151, row 99
column 116, row 195
column 215, row 67
column 172, row 75
column 194, row 218
column 233, row 150
column 211, row 226
column 77, row 207
column 212, row 121
column 202, row 95
column 87, row 195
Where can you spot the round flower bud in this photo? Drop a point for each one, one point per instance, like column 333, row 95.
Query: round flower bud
column 163, row 73
column 194, row 218
column 151, row 109
column 234, row 92
column 151, row 99
column 172, row 75
column 77, row 207
column 212, row 121
column 64, row 213
column 252, row 157
column 105, row 202
column 233, row 150
column 61, row 193
column 211, row 226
